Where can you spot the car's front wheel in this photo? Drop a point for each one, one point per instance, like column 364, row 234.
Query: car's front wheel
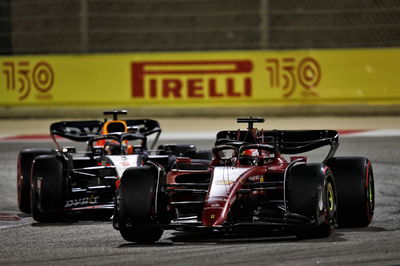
column 139, row 212
column 141, row 235
column 48, row 189
column 312, row 193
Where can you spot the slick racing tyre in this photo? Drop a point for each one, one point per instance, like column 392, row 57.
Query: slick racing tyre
column 25, row 159
column 355, row 189
column 140, row 208
column 145, row 235
column 312, row 193
column 48, row 189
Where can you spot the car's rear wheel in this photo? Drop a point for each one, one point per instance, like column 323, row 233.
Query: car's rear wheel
column 312, row 193
column 139, row 209
column 48, row 189
column 355, row 188
column 25, row 160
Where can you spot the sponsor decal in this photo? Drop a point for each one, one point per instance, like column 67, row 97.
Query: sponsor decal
column 256, row 178
column 24, row 77
column 289, row 74
column 191, row 79
column 124, row 163
column 81, row 201
column 217, row 198
column 224, row 176
column 223, row 182
column 82, row 131
column 215, row 208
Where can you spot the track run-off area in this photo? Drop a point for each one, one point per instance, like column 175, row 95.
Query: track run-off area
column 25, row 242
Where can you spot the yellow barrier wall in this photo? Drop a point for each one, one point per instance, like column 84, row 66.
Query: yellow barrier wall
column 367, row 76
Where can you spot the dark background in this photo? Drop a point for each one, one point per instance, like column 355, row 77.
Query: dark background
column 104, row 26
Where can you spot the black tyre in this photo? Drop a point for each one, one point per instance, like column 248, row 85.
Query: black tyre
column 48, row 189
column 25, row 159
column 355, row 189
column 144, row 235
column 312, row 193
column 140, row 208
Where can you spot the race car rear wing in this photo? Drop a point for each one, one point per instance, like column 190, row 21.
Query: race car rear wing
column 300, row 141
column 76, row 130
column 85, row 130
column 285, row 141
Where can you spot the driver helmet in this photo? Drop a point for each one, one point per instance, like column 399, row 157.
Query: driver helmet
column 112, row 148
column 250, row 153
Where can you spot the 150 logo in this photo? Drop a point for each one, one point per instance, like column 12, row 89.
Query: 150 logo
column 22, row 77
column 289, row 74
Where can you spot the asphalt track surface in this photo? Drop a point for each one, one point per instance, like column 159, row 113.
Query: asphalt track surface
column 24, row 242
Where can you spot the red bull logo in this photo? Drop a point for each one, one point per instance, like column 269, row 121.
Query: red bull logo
column 191, row 79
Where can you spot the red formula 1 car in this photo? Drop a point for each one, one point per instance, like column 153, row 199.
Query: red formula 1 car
column 54, row 184
column 248, row 185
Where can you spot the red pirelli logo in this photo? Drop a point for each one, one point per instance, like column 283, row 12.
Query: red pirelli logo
column 191, row 79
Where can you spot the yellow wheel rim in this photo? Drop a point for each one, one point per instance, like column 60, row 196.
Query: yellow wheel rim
column 331, row 198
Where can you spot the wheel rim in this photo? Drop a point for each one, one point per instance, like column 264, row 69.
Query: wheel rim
column 331, row 202
column 370, row 194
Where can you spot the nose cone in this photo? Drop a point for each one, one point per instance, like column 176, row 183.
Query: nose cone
column 213, row 216
column 226, row 181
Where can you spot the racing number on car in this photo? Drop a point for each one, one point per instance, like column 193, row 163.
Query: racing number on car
column 289, row 74
column 22, row 76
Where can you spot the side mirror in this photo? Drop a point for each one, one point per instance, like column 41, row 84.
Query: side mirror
column 69, row 150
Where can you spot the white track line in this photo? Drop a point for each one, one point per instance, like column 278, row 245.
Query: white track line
column 376, row 133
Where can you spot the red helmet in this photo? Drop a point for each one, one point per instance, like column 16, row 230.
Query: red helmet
column 250, row 153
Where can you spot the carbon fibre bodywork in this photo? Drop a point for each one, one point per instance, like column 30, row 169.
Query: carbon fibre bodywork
column 250, row 183
column 88, row 178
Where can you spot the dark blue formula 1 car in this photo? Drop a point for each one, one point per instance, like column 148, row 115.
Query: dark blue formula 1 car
column 55, row 184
